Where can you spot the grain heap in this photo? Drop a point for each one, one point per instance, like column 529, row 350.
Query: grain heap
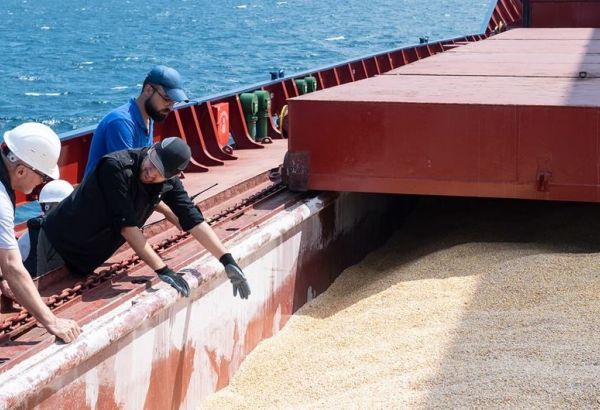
column 473, row 303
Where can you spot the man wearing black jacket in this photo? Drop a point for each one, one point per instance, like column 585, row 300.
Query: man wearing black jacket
column 111, row 205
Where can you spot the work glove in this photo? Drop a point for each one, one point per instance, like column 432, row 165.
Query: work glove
column 166, row 274
column 236, row 276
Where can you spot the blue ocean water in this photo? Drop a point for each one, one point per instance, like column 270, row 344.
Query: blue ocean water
column 66, row 63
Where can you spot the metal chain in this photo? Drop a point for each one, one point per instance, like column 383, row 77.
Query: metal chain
column 23, row 317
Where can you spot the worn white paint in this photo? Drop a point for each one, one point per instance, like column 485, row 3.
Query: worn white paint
column 91, row 387
column 32, row 374
column 209, row 322
column 228, row 314
column 179, row 327
column 37, row 371
column 132, row 368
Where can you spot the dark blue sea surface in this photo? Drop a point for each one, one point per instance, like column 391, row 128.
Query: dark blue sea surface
column 67, row 63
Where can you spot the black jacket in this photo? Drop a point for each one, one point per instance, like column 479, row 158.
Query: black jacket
column 85, row 228
column 5, row 180
column 33, row 226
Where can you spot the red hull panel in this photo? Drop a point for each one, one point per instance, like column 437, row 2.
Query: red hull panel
column 565, row 13
column 457, row 129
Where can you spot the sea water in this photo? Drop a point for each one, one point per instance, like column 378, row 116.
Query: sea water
column 67, row 63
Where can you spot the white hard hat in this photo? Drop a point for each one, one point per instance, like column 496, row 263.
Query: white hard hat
column 36, row 145
column 55, row 191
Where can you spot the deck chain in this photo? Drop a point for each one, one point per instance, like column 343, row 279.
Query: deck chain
column 23, row 317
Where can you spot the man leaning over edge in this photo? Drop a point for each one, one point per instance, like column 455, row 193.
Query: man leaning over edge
column 132, row 125
column 29, row 158
column 111, row 205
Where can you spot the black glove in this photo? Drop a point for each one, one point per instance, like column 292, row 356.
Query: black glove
column 166, row 274
column 236, row 276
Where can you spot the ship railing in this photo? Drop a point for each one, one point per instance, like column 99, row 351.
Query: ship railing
column 196, row 121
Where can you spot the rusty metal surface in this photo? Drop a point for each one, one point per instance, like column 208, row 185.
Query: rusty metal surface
column 296, row 168
column 161, row 351
column 109, row 365
column 515, row 129
column 244, row 214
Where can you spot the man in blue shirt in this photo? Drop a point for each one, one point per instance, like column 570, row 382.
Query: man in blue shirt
column 132, row 124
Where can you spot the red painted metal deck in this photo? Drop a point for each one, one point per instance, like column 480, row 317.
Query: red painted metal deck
column 235, row 181
column 515, row 116
column 304, row 248
column 564, row 13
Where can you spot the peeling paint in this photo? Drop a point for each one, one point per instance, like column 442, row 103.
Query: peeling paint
column 178, row 329
column 220, row 367
column 167, row 352
column 106, row 397
column 170, row 380
column 132, row 368
column 91, row 388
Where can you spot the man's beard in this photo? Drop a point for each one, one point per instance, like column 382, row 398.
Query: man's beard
column 153, row 113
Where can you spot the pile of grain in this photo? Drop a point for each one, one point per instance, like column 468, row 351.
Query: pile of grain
column 470, row 304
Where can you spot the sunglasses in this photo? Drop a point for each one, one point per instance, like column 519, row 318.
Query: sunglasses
column 45, row 178
column 166, row 98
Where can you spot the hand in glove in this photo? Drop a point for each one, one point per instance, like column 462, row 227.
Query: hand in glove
column 236, row 276
column 166, row 274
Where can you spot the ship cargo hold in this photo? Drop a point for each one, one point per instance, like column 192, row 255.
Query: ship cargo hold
column 510, row 112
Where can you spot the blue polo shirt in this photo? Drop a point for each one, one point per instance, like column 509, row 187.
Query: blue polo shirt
column 122, row 128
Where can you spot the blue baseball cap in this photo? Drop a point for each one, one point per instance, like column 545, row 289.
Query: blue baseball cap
column 170, row 80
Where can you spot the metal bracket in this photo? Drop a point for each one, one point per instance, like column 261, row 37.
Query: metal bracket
column 542, row 179
column 296, row 166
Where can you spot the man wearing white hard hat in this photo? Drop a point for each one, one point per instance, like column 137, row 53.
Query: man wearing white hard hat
column 28, row 158
column 50, row 196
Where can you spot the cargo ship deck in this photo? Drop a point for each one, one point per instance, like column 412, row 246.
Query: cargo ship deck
column 254, row 170
column 502, row 117
column 514, row 116
column 284, row 241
